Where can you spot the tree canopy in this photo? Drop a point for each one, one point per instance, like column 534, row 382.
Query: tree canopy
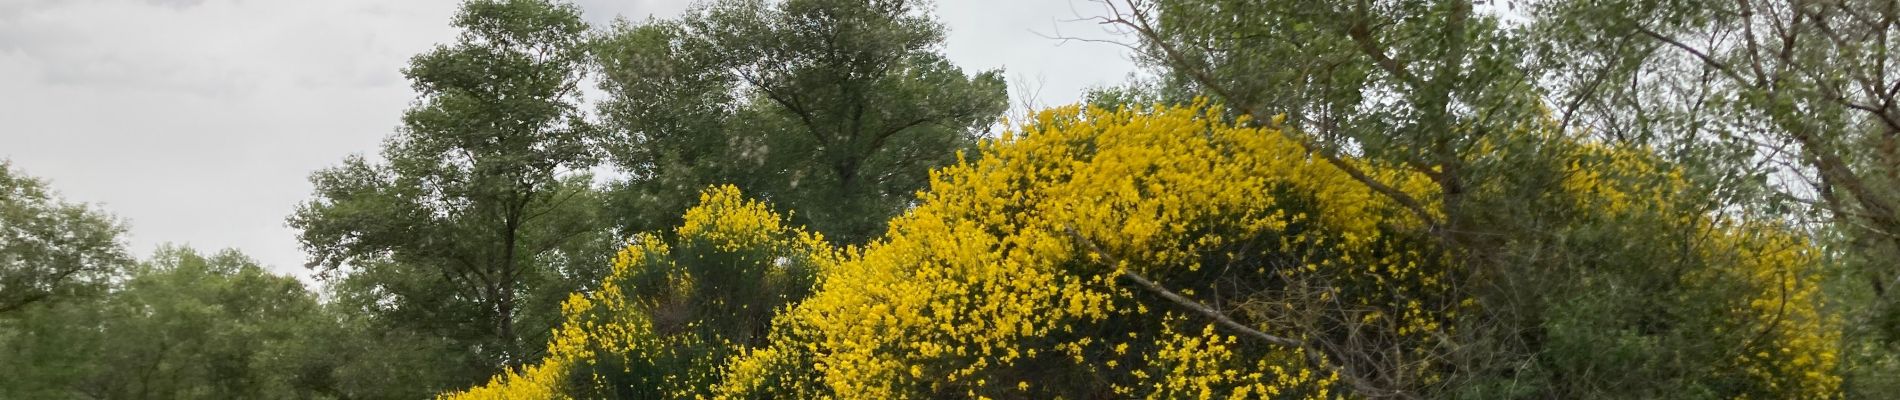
column 49, row 247
column 836, row 109
column 482, row 198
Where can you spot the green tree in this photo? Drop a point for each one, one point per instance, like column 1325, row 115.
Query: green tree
column 51, row 248
column 1793, row 105
column 480, row 217
column 357, row 352
column 58, row 260
column 1573, row 299
column 190, row 326
column 676, row 308
column 1413, row 84
column 834, row 109
column 181, row 325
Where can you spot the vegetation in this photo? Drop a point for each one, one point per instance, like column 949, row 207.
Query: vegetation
column 806, row 199
column 181, row 325
column 837, row 109
column 50, row 248
column 1165, row 253
column 481, row 216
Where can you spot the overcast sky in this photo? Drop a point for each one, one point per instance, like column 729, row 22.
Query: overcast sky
column 199, row 120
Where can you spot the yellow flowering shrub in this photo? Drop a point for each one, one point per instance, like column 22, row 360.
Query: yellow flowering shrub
column 1794, row 349
column 662, row 323
column 1169, row 253
column 1763, row 324
column 1007, row 279
column 1619, row 277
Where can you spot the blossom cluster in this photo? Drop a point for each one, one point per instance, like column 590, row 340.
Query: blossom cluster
column 1077, row 258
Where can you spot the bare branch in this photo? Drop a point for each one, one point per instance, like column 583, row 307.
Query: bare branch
column 1141, row 26
column 1313, row 353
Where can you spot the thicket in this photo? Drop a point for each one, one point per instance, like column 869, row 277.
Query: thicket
column 806, row 199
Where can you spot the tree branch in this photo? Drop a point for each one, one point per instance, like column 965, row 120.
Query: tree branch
column 1313, row 353
column 1146, row 31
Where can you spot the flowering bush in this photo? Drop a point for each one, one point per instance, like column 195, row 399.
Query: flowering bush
column 1138, row 253
column 668, row 315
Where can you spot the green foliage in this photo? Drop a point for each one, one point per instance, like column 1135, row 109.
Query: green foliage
column 190, row 326
column 181, row 326
column 397, row 337
column 1402, row 82
column 834, row 109
column 480, row 217
column 51, row 248
column 49, row 351
column 1785, row 107
column 1168, row 253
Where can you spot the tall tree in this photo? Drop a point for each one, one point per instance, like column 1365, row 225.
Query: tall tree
column 49, row 247
column 835, row 109
column 181, row 325
column 1418, row 85
column 1426, row 87
column 481, row 211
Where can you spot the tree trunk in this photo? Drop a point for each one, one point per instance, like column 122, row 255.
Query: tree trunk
column 505, row 327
